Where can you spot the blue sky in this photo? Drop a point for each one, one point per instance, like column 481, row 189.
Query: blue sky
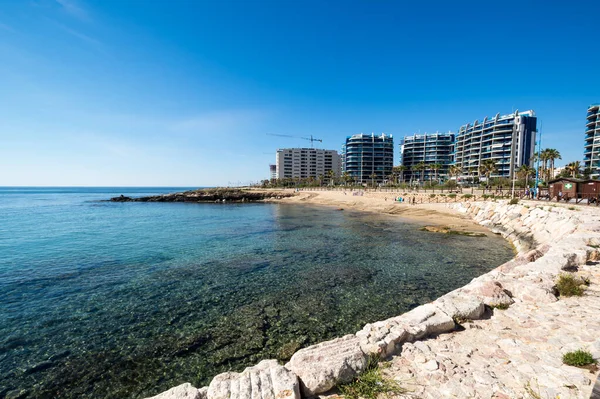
column 183, row 93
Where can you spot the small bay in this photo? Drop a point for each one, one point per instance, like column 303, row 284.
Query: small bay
column 107, row 300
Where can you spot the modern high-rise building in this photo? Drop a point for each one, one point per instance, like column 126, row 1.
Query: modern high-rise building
column 591, row 152
column 368, row 157
column 272, row 171
column 430, row 149
column 306, row 162
column 509, row 140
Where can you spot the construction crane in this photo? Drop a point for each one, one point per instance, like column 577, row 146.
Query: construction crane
column 311, row 138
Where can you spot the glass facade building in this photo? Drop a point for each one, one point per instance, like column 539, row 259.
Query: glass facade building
column 430, row 149
column 367, row 155
column 509, row 140
column 591, row 151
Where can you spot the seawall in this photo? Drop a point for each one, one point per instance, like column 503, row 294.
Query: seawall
column 463, row 344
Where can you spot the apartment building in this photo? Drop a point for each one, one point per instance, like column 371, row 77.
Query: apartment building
column 368, row 157
column 430, row 149
column 306, row 162
column 509, row 140
column 591, row 151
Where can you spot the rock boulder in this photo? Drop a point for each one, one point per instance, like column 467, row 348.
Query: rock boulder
column 321, row 367
column 267, row 380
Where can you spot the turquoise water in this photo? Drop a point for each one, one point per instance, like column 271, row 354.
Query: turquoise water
column 124, row 300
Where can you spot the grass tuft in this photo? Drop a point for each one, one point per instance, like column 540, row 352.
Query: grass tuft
column 500, row 306
column 514, row 201
column 578, row 358
column 370, row 384
column 568, row 285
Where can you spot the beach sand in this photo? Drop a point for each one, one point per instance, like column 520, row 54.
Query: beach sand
column 435, row 214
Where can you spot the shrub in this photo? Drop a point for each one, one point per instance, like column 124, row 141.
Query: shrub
column 452, row 195
column 514, row 201
column 370, row 384
column 467, row 196
column 500, row 306
column 431, row 195
column 578, row 358
column 568, row 285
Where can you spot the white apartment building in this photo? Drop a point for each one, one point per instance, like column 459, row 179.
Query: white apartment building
column 306, row 162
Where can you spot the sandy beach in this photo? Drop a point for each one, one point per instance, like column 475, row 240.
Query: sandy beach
column 430, row 213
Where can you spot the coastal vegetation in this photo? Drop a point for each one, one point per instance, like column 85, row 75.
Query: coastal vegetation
column 371, row 384
column 578, row 358
column 568, row 285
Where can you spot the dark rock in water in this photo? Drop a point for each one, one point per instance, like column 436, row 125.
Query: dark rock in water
column 122, row 198
column 39, row 367
column 216, row 195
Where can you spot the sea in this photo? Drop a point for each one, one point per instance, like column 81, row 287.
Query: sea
column 125, row 300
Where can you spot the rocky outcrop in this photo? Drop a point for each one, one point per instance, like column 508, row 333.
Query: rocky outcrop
column 209, row 195
column 183, row 391
column 321, row 367
column 384, row 338
column 267, row 380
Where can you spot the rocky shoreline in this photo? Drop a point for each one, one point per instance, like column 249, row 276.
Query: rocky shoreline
column 495, row 354
column 209, row 195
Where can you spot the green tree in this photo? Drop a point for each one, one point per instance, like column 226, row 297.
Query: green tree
column 373, row 176
column 574, row 168
column 420, row 167
column 486, row 168
column 435, row 167
column 331, row 176
column 552, row 155
column 525, row 172
column 455, row 170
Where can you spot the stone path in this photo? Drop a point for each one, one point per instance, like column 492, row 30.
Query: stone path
column 517, row 353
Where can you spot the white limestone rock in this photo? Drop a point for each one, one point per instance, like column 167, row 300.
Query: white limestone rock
column 457, row 304
column 183, row 391
column 426, row 320
column 490, row 292
column 321, row 367
column 267, row 380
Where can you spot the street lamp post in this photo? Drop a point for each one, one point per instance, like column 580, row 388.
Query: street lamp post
column 537, row 169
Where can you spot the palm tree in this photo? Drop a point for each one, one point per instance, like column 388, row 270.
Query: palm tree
column 435, row 167
column 574, row 168
column 454, row 170
column 487, row 167
column 331, row 176
column 552, row 155
column 391, row 178
column 420, row 167
column 524, row 172
column 400, row 169
column 346, row 177
column 373, row 176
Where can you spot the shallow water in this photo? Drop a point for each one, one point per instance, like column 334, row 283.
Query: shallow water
column 125, row 300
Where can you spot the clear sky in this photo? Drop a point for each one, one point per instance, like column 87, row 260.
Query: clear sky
column 183, row 93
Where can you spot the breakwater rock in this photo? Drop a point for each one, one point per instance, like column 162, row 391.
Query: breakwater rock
column 500, row 336
column 209, row 195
